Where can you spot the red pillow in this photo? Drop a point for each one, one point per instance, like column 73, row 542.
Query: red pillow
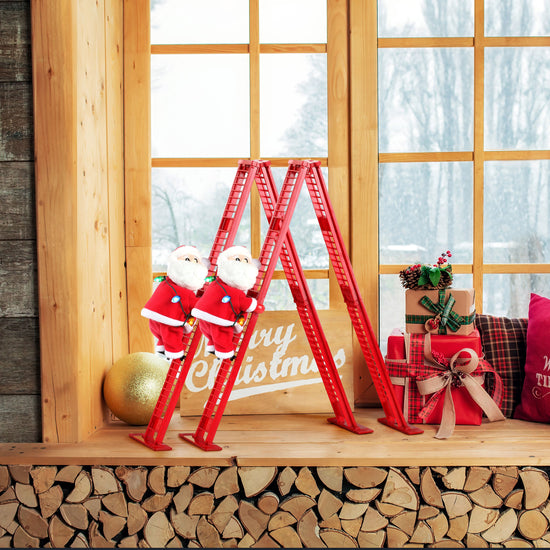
column 535, row 395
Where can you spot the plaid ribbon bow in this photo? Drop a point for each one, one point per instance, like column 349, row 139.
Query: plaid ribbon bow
column 445, row 316
column 456, row 373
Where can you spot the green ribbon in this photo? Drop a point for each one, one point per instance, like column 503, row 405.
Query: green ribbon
column 447, row 317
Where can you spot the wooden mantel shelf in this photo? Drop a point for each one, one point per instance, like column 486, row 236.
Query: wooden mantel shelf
column 302, row 440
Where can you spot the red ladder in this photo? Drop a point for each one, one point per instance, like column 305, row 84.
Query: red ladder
column 307, row 311
column 352, row 297
column 153, row 436
column 281, row 215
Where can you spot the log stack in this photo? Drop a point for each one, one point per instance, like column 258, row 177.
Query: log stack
column 270, row 507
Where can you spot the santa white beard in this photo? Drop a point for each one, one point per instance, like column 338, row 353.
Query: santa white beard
column 190, row 275
column 241, row 275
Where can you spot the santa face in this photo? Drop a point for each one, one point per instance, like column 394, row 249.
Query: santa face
column 187, row 270
column 238, row 270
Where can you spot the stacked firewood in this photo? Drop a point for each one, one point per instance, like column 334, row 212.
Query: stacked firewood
column 313, row 507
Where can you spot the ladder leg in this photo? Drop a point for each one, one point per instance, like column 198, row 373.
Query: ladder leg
column 153, row 437
column 308, row 313
column 350, row 290
column 203, row 436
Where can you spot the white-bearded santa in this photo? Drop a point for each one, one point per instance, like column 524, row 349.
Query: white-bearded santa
column 224, row 301
column 169, row 308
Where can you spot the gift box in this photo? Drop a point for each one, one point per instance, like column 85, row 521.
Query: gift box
column 438, row 379
column 446, row 311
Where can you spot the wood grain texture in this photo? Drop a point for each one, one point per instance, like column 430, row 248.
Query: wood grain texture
column 73, row 223
column 364, row 174
column 20, row 418
column 114, row 100
column 16, row 129
column 18, row 279
column 17, row 217
column 303, row 440
column 137, row 122
column 54, row 105
column 15, row 43
column 19, row 360
column 98, row 507
column 137, row 167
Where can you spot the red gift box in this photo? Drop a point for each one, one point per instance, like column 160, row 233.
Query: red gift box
column 438, row 379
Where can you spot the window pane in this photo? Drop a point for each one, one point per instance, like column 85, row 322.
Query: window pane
column 199, row 22
column 425, row 208
column 280, row 298
column 200, row 106
column 187, row 206
column 425, row 99
column 414, row 18
column 517, row 98
column 293, row 105
column 517, row 207
column 508, row 295
column 392, row 304
column 293, row 21
column 517, row 17
column 304, row 227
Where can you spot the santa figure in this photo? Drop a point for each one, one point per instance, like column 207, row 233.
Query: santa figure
column 169, row 308
column 225, row 301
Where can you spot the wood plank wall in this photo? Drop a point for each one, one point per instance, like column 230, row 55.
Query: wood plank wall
column 20, row 417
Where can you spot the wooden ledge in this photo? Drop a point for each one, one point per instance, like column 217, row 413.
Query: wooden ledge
column 302, row 440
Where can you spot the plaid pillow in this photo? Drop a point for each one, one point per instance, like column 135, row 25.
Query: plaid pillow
column 504, row 345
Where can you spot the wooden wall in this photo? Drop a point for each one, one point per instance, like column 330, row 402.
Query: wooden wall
column 20, row 418
column 79, row 181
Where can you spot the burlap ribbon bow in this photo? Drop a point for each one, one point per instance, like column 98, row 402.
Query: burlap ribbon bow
column 457, row 373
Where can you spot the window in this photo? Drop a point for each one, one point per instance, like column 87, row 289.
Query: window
column 464, row 152
column 432, row 135
column 253, row 88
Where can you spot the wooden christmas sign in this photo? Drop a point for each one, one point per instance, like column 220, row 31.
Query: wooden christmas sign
column 278, row 374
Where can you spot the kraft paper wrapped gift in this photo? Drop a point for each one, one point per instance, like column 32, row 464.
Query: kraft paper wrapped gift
column 447, row 311
column 438, row 380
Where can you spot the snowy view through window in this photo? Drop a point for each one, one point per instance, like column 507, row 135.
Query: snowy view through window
column 201, row 109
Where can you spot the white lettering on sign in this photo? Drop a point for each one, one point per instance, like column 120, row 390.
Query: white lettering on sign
column 254, row 378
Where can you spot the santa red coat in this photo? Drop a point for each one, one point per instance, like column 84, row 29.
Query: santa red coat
column 213, row 307
column 219, row 309
column 168, row 309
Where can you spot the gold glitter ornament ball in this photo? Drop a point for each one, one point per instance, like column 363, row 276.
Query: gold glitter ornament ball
column 132, row 386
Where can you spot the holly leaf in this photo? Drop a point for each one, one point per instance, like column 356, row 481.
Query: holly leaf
column 435, row 275
column 423, row 280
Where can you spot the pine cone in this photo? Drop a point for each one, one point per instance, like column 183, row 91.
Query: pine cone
column 411, row 275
